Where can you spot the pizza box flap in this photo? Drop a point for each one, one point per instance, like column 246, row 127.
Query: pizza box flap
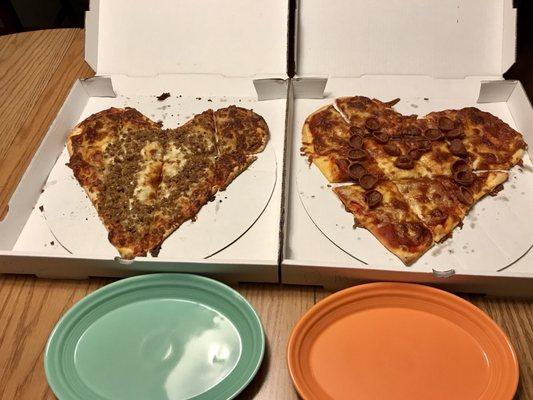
column 228, row 37
column 438, row 38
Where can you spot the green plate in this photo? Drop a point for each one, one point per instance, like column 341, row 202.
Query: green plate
column 157, row 337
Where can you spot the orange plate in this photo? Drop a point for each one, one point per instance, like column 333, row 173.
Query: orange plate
column 400, row 341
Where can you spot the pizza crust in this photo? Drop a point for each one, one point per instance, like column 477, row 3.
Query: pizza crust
column 75, row 132
column 240, row 129
column 517, row 156
column 325, row 163
column 489, row 180
column 228, row 175
column 307, row 139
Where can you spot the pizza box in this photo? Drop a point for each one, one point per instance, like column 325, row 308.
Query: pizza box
column 205, row 55
column 433, row 55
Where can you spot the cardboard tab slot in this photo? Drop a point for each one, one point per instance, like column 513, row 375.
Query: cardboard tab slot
column 309, row 88
column 444, row 274
column 271, row 88
column 99, row 86
column 495, row 91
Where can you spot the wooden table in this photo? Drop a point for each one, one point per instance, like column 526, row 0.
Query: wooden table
column 37, row 70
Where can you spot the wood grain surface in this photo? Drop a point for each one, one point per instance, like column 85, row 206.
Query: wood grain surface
column 37, row 70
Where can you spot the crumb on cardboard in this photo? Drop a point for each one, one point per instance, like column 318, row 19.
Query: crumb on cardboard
column 41, row 208
column 163, row 96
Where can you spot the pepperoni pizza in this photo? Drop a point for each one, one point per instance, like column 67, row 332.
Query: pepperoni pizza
column 411, row 180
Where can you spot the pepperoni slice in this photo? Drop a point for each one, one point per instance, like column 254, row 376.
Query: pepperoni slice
column 454, row 134
column 343, row 164
column 457, row 148
column 381, row 137
column 356, row 142
column 356, row 170
column 433, row 134
column 437, row 216
column 415, row 154
column 464, row 177
column 404, row 162
column 465, row 196
column 372, row 124
column 413, row 130
column 392, row 149
column 357, row 154
column 368, row 181
column 424, row 146
column 460, row 165
column 446, row 124
column 392, row 102
column 489, row 158
column 476, row 118
column 373, row 198
column 355, row 130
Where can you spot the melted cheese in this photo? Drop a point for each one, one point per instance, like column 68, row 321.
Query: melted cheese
column 152, row 151
column 148, row 182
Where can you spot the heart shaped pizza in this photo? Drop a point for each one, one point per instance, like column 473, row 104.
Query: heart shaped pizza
column 408, row 180
column 145, row 181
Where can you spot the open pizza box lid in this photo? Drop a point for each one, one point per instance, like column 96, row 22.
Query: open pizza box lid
column 438, row 38
column 226, row 37
column 434, row 55
column 207, row 54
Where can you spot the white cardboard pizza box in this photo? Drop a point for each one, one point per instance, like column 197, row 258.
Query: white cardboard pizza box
column 206, row 54
column 434, row 55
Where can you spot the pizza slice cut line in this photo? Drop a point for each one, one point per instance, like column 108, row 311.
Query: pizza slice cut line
column 337, row 149
column 442, row 203
column 384, row 212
